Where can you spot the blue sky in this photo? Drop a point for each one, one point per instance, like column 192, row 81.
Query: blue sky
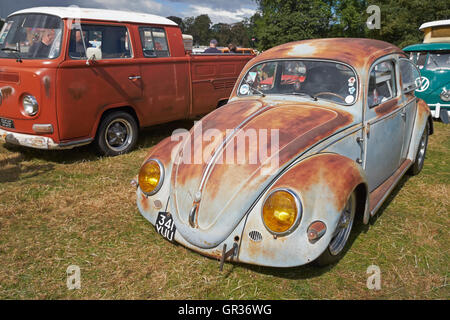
column 226, row 11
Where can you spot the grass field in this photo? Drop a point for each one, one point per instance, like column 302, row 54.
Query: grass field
column 64, row 208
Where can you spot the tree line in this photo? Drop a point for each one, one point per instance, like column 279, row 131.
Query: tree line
column 280, row 21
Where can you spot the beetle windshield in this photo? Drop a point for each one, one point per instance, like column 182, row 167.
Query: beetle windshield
column 31, row 36
column 317, row 79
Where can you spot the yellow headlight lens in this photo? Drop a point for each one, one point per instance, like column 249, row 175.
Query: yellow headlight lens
column 149, row 177
column 280, row 211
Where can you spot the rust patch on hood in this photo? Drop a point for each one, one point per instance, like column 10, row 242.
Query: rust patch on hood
column 230, row 188
column 6, row 92
column 46, row 81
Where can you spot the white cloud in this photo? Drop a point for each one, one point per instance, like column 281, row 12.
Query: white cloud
column 147, row 6
column 220, row 15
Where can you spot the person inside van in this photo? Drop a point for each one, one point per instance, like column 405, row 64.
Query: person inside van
column 212, row 47
column 41, row 49
column 232, row 48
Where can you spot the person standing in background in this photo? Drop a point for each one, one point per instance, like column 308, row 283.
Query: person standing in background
column 212, row 47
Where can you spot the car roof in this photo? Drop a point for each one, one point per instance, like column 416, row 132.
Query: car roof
column 437, row 23
column 99, row 14
column 437, row 46
column 357, row 52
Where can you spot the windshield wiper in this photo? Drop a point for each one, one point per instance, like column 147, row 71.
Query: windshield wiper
column 303, row 94
column 434, row 61
column 255, row 89
column 258, row 91
column 17, row 51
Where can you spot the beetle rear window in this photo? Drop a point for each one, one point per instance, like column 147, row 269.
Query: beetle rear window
column 317, row 79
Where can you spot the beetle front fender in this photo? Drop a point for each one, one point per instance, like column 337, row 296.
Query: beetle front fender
column 165, row 152
column 323, row 183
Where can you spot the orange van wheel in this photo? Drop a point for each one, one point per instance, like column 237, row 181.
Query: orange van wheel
column 117, row 134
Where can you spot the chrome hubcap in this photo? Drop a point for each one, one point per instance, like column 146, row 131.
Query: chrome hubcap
column 344, row 227
column 422, row 149
column 118, row 135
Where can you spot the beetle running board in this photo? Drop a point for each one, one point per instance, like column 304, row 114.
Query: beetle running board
column 231, row 253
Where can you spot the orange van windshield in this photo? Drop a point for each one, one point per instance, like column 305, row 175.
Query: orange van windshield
column 31, row 36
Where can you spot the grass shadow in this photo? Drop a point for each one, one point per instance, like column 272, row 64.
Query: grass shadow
column 84, row 153
column 11, row 169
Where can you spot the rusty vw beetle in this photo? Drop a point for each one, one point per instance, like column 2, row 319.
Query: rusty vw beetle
column 316, row 134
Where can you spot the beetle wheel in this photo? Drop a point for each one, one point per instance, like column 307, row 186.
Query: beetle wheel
column 339, row 241
column 421, row 153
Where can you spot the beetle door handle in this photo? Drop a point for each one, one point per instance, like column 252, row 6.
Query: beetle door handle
column 134, row 78
column 404, row 114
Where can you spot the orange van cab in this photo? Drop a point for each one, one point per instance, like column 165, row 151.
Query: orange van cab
column 71, row 76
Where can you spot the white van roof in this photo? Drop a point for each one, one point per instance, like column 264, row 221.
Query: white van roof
column 99, row 14
column 438, row 23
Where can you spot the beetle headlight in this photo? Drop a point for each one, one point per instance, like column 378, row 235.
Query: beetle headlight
column 151, row 177
column 30, row 105
column 281, row 211
column 445, row 95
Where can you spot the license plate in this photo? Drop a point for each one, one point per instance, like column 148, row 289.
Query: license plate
column 6, row 123
column 165, row 226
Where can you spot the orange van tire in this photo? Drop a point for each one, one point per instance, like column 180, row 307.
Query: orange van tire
column 117, row 134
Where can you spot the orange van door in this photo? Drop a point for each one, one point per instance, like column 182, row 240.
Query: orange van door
column 87, row 90
column 165, row 78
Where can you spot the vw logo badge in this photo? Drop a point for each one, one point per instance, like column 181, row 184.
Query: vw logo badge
column 425, row 84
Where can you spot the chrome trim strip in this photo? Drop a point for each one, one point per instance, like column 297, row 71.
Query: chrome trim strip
column 224, row 143
column 76, row 143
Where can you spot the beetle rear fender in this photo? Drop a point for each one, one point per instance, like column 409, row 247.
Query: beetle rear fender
column 323, row 183
column 423, row 117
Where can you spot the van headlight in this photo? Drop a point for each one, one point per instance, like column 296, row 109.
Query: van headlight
column 30, row 105
column 151, row 177
column 282, row 211
column 445, row 95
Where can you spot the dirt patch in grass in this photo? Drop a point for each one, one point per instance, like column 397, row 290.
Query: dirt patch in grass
column 74, row 208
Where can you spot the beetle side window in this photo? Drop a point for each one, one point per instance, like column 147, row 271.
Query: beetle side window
column 154, row 42
column 410, row 76
column 113, row 41
column 381, row 84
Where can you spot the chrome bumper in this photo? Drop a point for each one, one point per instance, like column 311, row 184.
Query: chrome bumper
column 38, row 142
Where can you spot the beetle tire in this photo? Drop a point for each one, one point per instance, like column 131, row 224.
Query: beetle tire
column 417, row 166
column 330, row 256
column 118, row 123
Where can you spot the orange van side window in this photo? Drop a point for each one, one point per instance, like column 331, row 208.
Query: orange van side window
column 154, row 42
column 114, row 41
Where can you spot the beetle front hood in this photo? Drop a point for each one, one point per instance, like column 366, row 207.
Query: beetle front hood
column 233, row 154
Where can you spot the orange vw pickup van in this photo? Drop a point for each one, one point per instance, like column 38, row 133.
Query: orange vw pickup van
column 71, row 76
